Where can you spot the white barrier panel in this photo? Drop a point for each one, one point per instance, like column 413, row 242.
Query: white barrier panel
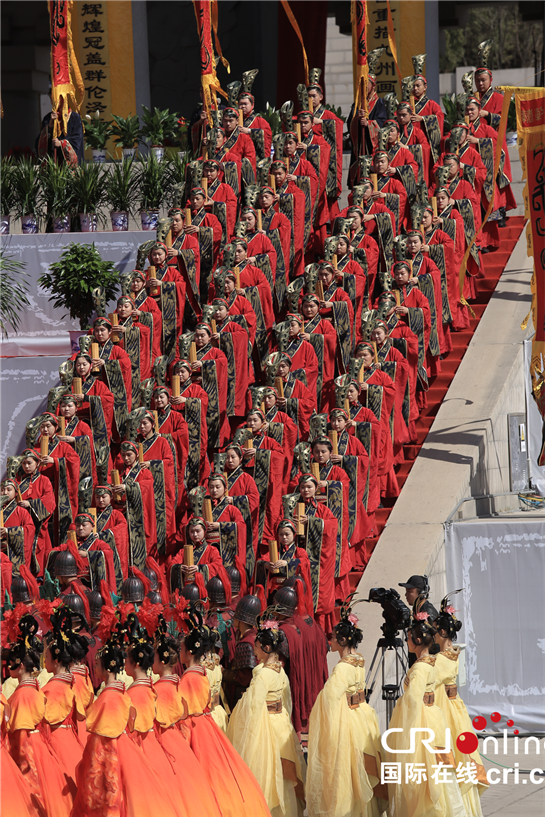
column 500, row 564
column 43, row 330
column 24, row 383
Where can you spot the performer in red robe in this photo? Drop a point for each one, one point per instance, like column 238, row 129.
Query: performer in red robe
column 387, row 184
column 227, row 531
column 267, row 472
column 320, row 543
column 310, row 139
column 243, row 491
column 135, row 339
column 428, row 115
column 157, row 450
column 261, row 252
column 322, row 121
column 320, row 333
column 423, row 265
column 196, row 427
column 137, row 478
column 92, row 387
column 348, row 446
column 79, row 435
column 408, row 373
column 491, row 105
column 87, row 541
column 236, row 141
column 232, row 338
column 253, row 124
column 410, row 134
column 102, row 333
column 398, row 154
column 361, row 414
column 206, row 556
column 219, row 191
column 51, row 468
column 143, row 304
column 459, row 188
column 17, row 532
column 168, row 287
column 272, row 219
column 211, row 367
column 173, row 424
column 239, row 305
column 372, row 376
column 110, row 519
column 298, row 401
column 296, row 204
column 433, row 236
column 184, row 250
column 290, row 432
column 38, row 498
column 358, row 256
column 301, row 351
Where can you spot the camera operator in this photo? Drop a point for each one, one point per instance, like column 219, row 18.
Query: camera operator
column 418, row 586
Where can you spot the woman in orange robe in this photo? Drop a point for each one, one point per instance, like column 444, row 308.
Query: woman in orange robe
column 184, row 781
column 27, row 745
column 61, row 701
column 15, row 795
column 114, row 778
column 236, row 789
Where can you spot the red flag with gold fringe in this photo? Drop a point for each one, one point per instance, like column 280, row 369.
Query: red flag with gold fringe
column 358, row 17
column 209, row 81
column 67, row 89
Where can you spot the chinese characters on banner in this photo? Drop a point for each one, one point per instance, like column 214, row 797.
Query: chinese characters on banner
column 91, row 22
column 377, row 36
column 530, row 106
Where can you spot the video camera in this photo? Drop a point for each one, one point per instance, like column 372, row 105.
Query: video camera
column 395, row 613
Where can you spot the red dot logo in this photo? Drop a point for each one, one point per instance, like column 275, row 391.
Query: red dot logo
column 467, row 742
column 495, row 717
column 515, row 731
column 510, row 723
column 479, row 723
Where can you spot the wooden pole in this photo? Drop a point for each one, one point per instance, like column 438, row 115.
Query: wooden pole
column 279, row 386
column 375, row 350
column 116, row 479
column 188, row 216
column 156, row 421
column 272, row 182
column 77, row 385
column 434, row 206
column 249, row 443
column 347, row 406
column 334, row 261
column 300, row 513
column 259, row 221
column 189, row 560
column 175, row 385
column 241, row 119
column 151, row 276
column 44, row 446
column 360, row 375
column 374, row 182
column 320, row 290
column 93, row 513
column 334, row 441
column 192, row 352
column 298, row 131
column 140, row 453
column 398, row 297
column 168, row 239
column 71, row 535
column 62, row 426
column 205, row 185
column 315, row 470
column 237, row 277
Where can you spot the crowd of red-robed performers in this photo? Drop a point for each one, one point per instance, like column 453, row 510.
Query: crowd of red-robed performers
column 324, row 327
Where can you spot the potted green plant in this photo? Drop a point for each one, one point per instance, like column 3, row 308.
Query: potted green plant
column 97, row 133
column 153, row 181
column 183, row 138
column 157, row 127
column 126, row 132
column 176, row 183
column 73, row 277
column 89, row 185
column 13, row 292
column 57, row 193
column 121, row 193
column 7, row 194
column 26, row 185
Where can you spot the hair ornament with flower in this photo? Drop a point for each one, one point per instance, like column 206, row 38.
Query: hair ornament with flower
column 446, row 606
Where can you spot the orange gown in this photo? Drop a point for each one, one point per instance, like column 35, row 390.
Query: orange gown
column 33, row 755
column 15, row 797
column 183, row 779
column 169, row 714
column 60, row 714
column 237, row 791
column 114, row 778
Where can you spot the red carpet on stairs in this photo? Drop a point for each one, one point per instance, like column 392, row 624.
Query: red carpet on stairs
column 492, row 265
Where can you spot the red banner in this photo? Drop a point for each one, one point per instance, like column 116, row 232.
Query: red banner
column 358, row 16
column 66, row 84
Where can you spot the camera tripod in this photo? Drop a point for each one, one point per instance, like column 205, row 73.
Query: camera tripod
column 390, row 692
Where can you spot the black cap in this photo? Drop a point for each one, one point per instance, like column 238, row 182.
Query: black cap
column 416, row 582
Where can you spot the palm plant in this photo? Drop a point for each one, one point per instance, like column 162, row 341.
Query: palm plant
column 73, row 277
column 272, row 115
column 26, row 187
column 125, row 131
column 176, row 180
column 451, row 114
column 7, row 189
column 89, row 184
column 158, row 126
column 153, row 179
column 122, row 186
column 13, row 292
column 56, row 187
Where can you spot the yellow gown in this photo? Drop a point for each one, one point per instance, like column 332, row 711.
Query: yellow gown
column 215, row 675
column 344, row 752
column 458, row 721
column 417, row 793
column 261, row 731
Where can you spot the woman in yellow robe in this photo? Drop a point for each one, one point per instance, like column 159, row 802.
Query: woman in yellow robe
column 211, row 663
column 344, row 754
column 454, row 709
column 261, row 730
column 422, row 790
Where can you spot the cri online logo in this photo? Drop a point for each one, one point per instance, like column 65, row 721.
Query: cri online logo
column 466, row 742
